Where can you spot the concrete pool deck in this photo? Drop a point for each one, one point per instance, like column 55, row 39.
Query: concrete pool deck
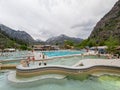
column 95, row 62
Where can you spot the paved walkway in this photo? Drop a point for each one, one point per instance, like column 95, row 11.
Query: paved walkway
column 95, row 62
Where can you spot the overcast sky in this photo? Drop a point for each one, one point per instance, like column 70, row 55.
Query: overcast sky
column 46, row 18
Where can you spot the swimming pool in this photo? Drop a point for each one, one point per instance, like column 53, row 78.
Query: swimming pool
column 70, row 61
column 22, row 54
column 64, row 61
column 62, row 53
column 50, row 54
column 105, row 82
column 13, row 55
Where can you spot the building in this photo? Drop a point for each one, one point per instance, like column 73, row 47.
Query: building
column 9, row 50
column 99, row 49
column 45, row 47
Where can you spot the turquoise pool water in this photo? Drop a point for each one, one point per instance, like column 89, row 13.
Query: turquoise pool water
column 105, row 82
column 62, row 53
column 22, row 54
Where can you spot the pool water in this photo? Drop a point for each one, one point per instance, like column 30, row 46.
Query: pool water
column 59, row 61
column 68, row 61
column 62, row 53
column 65, row 61
column 105, row 82
column 13, row 55
column 22, row 54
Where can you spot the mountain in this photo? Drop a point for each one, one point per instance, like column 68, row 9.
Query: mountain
column 18, row 36
column 38, row 41
column 108, row 26
column 61, row 39
column 5, row 41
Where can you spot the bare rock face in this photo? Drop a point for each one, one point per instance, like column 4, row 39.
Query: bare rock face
column 16, row 35
column 108, row 26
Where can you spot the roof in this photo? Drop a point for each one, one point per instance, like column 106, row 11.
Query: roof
column 99, row 47
column 10, row 49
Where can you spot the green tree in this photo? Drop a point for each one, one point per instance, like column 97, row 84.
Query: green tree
column 23, row 47
column 68, row 44
column 83, row 44
column 111, row 43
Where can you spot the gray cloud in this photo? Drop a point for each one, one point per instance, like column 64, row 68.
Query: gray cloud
column 89, row 23
column 46, row 18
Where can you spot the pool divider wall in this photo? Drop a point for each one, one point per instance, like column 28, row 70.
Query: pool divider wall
column 9, row 61
column 66, row 71
column 69, row 75
column 3, row 67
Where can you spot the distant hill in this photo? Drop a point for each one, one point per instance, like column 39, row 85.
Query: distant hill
column 61, row 39
column 108, row 26
column 18, row 36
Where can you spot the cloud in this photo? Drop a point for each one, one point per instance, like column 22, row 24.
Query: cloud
column 46, row 18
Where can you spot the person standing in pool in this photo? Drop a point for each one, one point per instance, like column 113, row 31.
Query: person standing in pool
column 43, row 57
column 27, row 62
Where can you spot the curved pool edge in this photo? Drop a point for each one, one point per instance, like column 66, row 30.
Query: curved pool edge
column 87, row 69
column 11, row 77
column 60, row 73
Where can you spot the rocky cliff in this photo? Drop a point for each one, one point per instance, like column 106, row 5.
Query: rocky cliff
column 108, row 26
